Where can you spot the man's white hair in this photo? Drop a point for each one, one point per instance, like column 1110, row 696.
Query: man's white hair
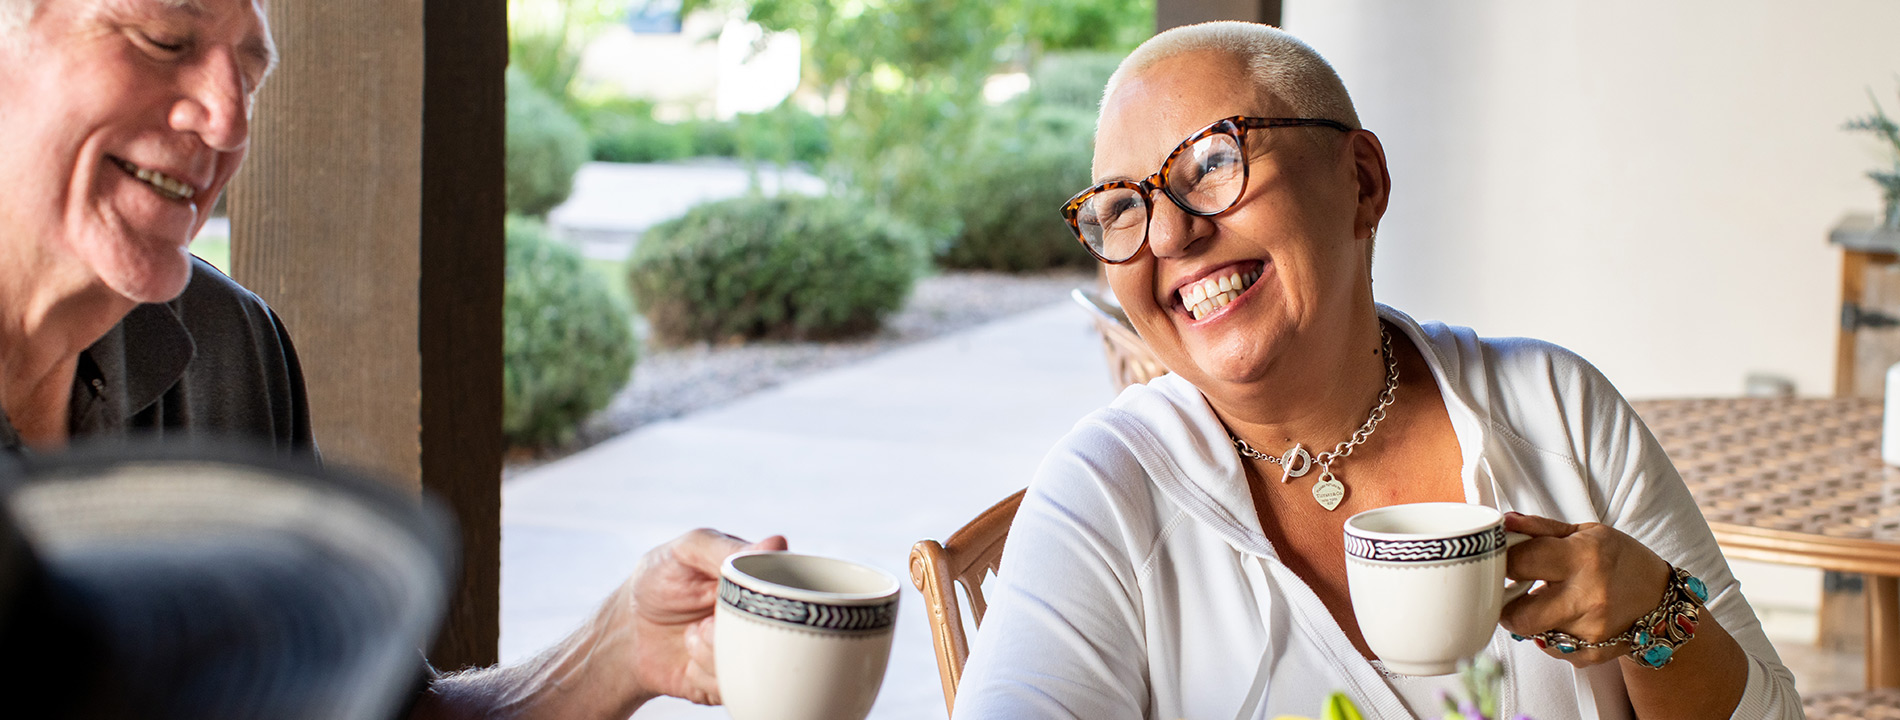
column 1280, row 65
column 14, row 15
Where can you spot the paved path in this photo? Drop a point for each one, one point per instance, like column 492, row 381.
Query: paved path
column 613, row 203
column 858, row 462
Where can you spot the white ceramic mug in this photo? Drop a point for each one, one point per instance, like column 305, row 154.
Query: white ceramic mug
column 801, row 637
column 1427, row 582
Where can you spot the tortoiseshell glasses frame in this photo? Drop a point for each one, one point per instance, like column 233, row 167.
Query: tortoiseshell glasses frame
column 1209, row 189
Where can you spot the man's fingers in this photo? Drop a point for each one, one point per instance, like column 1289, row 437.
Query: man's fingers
column 704, row 549
column 701, row 670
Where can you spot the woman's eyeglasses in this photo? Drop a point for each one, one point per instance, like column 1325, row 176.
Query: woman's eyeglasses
column 1205, row 175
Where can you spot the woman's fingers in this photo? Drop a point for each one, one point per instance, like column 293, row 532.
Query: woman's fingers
column 1598, row 582
column 1536, row 526
column 1550, row 559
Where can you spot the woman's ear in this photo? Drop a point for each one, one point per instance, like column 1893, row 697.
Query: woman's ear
column 1374, row 181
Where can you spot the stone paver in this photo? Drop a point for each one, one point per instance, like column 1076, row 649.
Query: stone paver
column 858, row 462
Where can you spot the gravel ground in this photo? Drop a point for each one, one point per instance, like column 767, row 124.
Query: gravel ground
column 669, row 382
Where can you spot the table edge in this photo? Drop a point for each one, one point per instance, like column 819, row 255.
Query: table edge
column 1785, row 547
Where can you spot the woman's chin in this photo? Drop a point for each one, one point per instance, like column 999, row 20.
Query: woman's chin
column 1214, row 368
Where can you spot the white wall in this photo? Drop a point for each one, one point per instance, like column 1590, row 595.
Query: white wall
column 714, row 67
column 1648, row 183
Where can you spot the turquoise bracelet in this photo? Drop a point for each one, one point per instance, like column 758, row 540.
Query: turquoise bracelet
column 1654, row 637
column 1653, row 640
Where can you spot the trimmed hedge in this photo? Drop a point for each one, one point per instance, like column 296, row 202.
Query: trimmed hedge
column 626, row 132
column 544, row 148
column 1012, row 184
column 567, row 343
column 785, row 267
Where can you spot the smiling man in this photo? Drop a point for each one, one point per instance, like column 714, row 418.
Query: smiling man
column 121, row 121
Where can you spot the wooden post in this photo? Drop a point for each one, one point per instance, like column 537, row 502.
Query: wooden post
column 460, row 287
column 369, row 215
column 1175, row 13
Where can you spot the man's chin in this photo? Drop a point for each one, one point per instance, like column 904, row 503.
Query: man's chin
column 155, row 281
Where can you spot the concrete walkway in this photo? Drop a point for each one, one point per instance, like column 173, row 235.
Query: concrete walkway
column 858, row 462
column 613, row 203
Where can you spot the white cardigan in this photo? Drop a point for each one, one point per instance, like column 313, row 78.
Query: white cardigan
column 1137, row 583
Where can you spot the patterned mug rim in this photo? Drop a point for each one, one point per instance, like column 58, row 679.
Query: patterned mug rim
column 833, row 617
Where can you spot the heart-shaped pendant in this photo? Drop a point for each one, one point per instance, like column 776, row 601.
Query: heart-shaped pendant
column 1329, row 491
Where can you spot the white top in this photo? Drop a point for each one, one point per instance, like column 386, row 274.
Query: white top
column 1137, row 583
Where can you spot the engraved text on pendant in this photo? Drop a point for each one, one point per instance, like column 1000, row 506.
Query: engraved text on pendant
column 1295, row 463
column 1328, row 491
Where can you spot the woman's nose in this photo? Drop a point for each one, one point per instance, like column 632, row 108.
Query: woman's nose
column 1173, row 232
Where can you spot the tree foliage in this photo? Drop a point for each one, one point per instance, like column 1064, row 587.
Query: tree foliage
column 911, row 73
column 545, row 38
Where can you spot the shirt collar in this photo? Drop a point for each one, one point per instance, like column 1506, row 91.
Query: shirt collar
column 131, row 366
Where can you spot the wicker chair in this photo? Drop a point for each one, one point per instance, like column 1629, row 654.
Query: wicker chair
column 971, row 554
column 1130, row 360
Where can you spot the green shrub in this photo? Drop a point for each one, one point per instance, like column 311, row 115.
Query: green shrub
column 1024, row 165
column 567, row 342
column 714, row 138
column 789, row 266
column 1073, row 79
column 809, row 135
column 639, row 140
column 783, row 135
column 622, row 129
column 625, row 131
column 545, row 147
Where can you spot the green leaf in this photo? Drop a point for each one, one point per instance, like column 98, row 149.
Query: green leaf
column 1340, row 707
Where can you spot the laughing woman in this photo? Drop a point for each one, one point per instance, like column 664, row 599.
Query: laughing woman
column 1171, row 560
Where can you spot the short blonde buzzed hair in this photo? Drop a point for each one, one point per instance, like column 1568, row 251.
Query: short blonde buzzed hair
column 1281, row 65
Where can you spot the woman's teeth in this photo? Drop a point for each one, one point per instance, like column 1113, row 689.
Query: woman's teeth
column 165, row 184
column 1209, row 294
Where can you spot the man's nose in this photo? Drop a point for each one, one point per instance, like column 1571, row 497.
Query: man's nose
column 216, row 104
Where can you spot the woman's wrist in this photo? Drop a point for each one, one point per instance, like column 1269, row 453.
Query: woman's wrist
column 1655, row 635
column 1654, row 638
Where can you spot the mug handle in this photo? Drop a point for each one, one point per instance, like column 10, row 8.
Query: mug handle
column 1514, row 589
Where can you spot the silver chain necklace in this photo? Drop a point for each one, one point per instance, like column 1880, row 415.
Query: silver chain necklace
column 1329, row 491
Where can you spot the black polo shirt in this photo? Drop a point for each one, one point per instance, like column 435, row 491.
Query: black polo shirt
column 213, row 364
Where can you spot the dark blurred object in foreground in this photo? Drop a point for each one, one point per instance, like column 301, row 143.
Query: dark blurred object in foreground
column 195, row 583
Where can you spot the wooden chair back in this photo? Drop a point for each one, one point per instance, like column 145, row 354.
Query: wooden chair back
column 971, row 554
column 1130, row 360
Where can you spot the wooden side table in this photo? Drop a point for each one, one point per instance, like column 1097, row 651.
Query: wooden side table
column 1868, row 338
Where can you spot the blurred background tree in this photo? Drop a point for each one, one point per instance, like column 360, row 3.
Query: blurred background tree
column 546, row 37
column 907, row 81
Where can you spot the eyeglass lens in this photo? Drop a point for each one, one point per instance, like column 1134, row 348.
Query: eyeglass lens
column 1204, row 178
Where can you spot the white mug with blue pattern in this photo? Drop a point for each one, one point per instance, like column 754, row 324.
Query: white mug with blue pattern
column 801, row 637
column 1427, row 582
